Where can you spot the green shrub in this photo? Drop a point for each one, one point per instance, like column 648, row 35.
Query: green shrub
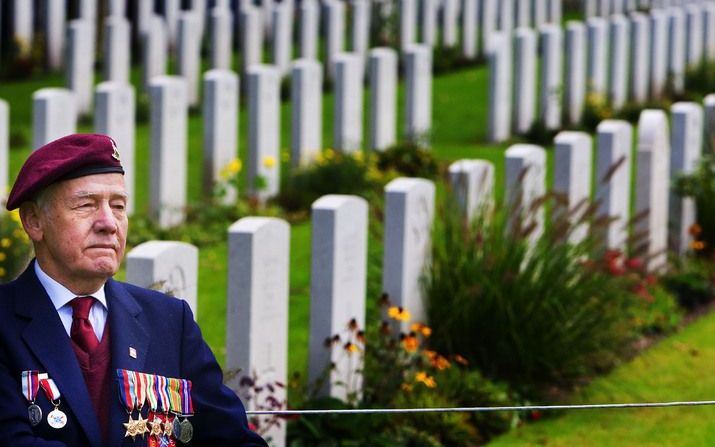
column 15, row 247
column 407, row 159
column 532, row 317
column 701, row 186
column 692, row 280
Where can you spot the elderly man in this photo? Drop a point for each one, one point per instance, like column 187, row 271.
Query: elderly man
column 86, row 360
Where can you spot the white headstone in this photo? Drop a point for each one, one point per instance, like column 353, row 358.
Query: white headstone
column 172, row 13
column 676, row 48
column 145, row 14
column 54, row 115
column 709, row 31
column 348, row 109
column 709, row 125
column 554, row 12
column 540, row 11
column 694, row 35
column 408, row 22
column 337, row 290
column 658, row 52
column 309, row 14
column 450, row 16
column 523, row 13
column 335, row 33
column 383, row 98
column 116, row 49
column 169, row 266
column 469, row 28
column 282, row 38
column 551, row 76
column 80, row 64
column 653, row 167
column 117, row 8
column 257, row 309
column 263, row 131
column 4, row 148
column 114, row 115
column 500, row 87
column 489, row 24
column 618, row 88
column 639, row 57
column 220, row 111
column 572, row 180
column 360, row 29
column 306, row 111
column 597, row 62
column 589, row 8
column 613, row 179
column 22, row 22
column 409, row 214
column 506, row 16
column 189, row 55
column 525, row 174
column 154, row 50
column 55, row 22
column 472, row 183
column 221, row 38
column 169, row 109
column 430, row 11
column 686, row 149
column 252, row 53
column 418, row 93
column 575, row 83
column 88, row 13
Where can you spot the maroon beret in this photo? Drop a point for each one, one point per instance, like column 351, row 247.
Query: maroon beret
column 69, row 157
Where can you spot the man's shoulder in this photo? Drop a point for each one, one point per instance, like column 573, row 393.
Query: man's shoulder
column 147, row 299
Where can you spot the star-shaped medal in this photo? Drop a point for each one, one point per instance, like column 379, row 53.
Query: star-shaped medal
column 156, row 427
column 140, row 426
column 168, row 428
column 131, row 426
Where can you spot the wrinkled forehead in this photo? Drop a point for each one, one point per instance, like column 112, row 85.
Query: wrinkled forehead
column 99, row 185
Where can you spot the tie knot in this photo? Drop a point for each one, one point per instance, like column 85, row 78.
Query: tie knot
column 81, row 306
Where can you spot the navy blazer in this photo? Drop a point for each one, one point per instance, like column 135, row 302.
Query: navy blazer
column 167, row 342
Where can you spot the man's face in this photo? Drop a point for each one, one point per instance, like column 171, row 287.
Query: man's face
column 80, row 231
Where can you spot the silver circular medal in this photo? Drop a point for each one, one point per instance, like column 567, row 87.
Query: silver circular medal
column 35, row 414
column 56, row 418
column 187, row 431
column 176, row 428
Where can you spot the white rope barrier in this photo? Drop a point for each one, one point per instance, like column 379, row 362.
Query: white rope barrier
column 484, row 409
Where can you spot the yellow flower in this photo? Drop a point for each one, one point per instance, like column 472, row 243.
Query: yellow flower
column 329, row 154
column 2, row 272
column 3, row 256
column 15, row 215
column 359, row 156
column 231, row 169
column 697, row 245
column 398, row 313
column 410, row 343
column 5, row 242
column 406, row 387
column 269, row 161
column 425, row 379
column 423, row 329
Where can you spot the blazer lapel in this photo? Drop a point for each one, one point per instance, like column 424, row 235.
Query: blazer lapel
column 47, row 339
column 130, row 342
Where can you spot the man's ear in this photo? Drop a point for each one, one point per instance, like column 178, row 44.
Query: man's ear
column 31, row 217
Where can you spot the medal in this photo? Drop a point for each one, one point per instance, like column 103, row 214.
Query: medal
column 127, row 384
column 187, row 409
column 161, row 390
column 141, row 392
column 56, row 419
column 30, row 387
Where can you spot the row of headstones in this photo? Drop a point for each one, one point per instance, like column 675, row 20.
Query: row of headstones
column 258, row 259
column 594, row 60
column 54, row 116
column 605, row 8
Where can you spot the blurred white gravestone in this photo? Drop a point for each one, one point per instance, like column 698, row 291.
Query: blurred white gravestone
column 383, row 98
column 348, row 102
column 335, row 33
column 220, row 110
column 418, row 94
column 430, row 9
column 575, row 83
column 613, row 179
column 618, row 88
column 54, row 115
column 115, row 116
column 116, row 49
column 252, row 41
column 257, row 310
column 155, row 49
column 169, row 115
column 221, row 38
column 551, row 76
column 658, row 52
column 22, row 21
column 55, row 25
column 189, row 57
column 80, row 64
column 676, row 48
column 472, row 183
column 524, row 111
column 306, row 111
column 408, row 22
column 409, row 215
column 572, row 180
column 693, row 35
column 469, row 28
column 360, row 29
column 169, row 266
column 597, row 62
column 337, row 291
column 263, row 131
column 686, row 150
column 282, row 38
column 653, row 168
column 525, row 174
column 640, row 64
column 309, row 18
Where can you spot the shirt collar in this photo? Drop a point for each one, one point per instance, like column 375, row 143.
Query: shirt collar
column 61, row 295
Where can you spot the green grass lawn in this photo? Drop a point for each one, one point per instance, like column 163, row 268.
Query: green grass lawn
column 676, row 369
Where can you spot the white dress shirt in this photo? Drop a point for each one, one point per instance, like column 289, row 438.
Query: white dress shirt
column 61, row 297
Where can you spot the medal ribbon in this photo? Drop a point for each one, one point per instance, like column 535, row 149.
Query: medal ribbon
column 162, row 393
column 141, row 391
column 30, row 385
column 174, row 394
column 50, row 388
column 126, row 389
column 151, row 392
column 187, row 405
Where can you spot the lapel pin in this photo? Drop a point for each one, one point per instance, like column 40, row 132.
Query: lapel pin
column 132, row 352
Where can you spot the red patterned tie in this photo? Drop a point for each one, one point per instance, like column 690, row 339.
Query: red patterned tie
column 82, row 333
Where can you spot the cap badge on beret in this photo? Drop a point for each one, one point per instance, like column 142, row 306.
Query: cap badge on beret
column 115, row 151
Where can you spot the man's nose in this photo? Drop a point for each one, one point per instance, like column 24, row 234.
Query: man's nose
column 105, row 220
